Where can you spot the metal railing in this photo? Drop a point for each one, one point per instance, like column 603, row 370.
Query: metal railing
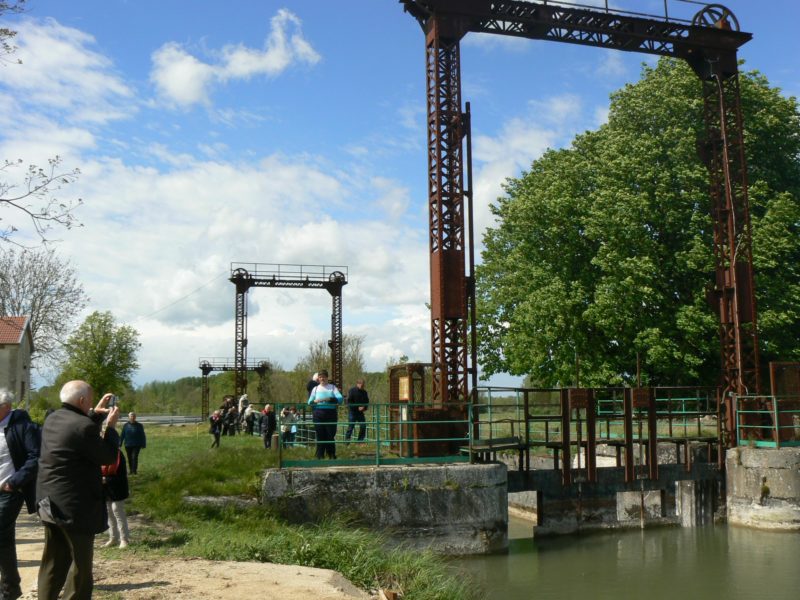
column 395, row 434
column 768, row 421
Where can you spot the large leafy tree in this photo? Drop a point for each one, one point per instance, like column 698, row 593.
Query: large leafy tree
column 603, row 250
column 38, row 283
column 102, row 353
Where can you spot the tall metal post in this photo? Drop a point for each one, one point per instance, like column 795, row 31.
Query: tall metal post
column 205, row 368
column 446, row 210
column 733, row 296
column 336, row 342
column 242, row 282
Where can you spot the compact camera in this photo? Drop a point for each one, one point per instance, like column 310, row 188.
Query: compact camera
column 112, row 402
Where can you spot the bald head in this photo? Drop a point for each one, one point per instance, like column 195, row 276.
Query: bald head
column 78, row 394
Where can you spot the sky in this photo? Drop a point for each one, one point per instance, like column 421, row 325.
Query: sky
column 288, row 132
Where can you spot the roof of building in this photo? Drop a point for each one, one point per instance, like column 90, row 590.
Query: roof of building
column 12, row 329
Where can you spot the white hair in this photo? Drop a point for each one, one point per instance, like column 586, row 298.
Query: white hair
column 6, row 396
column 73, row 390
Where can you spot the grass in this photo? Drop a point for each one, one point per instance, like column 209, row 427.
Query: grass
column 178, row 462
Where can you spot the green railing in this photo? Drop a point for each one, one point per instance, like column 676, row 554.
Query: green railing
column 395, row 434
column 768, row 421
column 500, row 413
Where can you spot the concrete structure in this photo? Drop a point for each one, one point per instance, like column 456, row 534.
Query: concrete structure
column 452, row 509
column 764, row 487
column 16, row 347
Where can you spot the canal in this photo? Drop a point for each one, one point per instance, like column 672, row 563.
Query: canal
column 668, row 563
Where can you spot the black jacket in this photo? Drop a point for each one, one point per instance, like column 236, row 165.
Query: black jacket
column 269, row 422
column 23, row 437
column 356, row 398
column 115, row 487
column 69, row 488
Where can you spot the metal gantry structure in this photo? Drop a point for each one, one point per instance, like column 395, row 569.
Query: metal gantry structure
column 248, row 275
column 207, row 366
column 709, row 43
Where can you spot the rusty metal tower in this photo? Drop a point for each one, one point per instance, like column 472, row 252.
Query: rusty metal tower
column 247, row 275
column 709, row 43
column 208, row 365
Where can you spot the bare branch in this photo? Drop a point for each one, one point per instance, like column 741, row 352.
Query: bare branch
column 35, row 197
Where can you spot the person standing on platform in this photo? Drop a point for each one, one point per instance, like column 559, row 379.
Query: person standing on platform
column 69, row 489
column 19, row 458
column 134, row 439
column 357, row 403
column 325, row 399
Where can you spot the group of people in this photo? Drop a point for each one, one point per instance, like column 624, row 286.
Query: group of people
column 324, row 399
column 73, row 473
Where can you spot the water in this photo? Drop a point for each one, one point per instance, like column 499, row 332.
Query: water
column 670, row 563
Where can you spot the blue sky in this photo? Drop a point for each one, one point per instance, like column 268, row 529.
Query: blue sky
column 286, row 132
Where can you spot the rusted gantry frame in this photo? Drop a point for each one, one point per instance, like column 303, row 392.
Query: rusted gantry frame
column 248, row 275
column 209, row 365
column 709, row 44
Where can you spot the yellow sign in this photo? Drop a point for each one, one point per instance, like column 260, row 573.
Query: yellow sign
column 403, row 388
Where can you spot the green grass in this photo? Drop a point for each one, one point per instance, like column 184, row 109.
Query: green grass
column 178, row 462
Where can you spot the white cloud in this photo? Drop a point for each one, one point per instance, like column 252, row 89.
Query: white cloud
column 612, row 65
column 179, row 76
column 520, row 141
column 494, row 41
column 61, row 73
column 185, row 80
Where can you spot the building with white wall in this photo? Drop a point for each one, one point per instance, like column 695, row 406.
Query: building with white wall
column 16, row 347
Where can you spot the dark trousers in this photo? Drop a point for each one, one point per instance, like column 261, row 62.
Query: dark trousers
column 356, row 416
column 288, row 438
column 67, row 557
column 216, row 439
column 268, row 438
column 325, row 427
column 10, row 505
column 133, row 458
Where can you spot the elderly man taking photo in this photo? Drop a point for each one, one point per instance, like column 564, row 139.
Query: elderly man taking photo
column 19, row 455
column 69, row 489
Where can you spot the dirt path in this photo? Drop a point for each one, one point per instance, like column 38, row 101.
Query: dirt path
column 140, row 579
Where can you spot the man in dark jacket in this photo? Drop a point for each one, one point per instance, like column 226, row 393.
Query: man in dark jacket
column 69, row 489
column 19, row 455
column 134, row 439
column 357, row 402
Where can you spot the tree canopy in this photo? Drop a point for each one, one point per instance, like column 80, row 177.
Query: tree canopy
column 37, row 283
column 102, row 353
column 603, row 250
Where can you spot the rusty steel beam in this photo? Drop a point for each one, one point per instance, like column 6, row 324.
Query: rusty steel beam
column 248, row 275
column 709, row 43
column 733, row 295
column 334, row 287
column 446, row 130
column 243, row 281
column 209, row 365
column 614, row 29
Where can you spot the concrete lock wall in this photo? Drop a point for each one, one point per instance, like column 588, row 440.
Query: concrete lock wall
column 451, row 509
column 764, row 487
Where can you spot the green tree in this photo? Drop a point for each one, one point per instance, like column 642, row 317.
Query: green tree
column 603, row 250
column 319, row 357
column 102, row 353
column 37, row 283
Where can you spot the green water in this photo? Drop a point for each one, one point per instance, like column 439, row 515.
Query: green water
column 715, row 562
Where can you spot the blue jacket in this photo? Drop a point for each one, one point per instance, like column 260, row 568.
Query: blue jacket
column 326, row 397
column 23, row 437
column 133, row 435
